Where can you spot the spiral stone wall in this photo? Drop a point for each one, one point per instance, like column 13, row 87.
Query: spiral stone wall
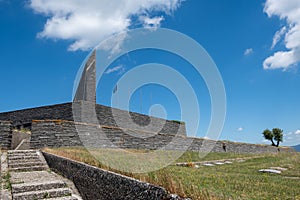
column 57, row 133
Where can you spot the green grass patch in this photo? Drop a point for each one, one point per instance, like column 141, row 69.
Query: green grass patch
column 23, row 130
column 239, row 180
column 7, row 182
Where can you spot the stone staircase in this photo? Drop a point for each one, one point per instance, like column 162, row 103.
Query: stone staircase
column 32, row 179
column 26, row 160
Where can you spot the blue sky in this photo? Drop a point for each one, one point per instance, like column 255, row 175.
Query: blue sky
column 255, row 45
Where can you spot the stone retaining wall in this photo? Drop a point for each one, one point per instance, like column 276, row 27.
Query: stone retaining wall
column 104, row 115
column 53, row 133
column 5, row 134
column 21, row 117
column 94, row 183
column 57, row 133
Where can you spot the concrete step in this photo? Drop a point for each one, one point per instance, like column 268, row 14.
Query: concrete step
column 11, row 162
column 31, row 179
column 27, row 187
column 21, row 151
column 63, row 198
column 31, row 168
column 22, row 154
column 26, row 164
column 23, row 157
column 44, row 194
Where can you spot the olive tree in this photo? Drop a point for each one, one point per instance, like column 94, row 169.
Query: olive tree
column 276, row 135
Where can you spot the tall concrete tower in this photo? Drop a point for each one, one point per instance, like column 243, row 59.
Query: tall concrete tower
column 86, row 90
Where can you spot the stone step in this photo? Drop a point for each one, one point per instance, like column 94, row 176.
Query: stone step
column 21, row 151
column 31, row 168
column 44, row 194
column 27, row 187
column 63, row 198
column 22, row 154
column 11, row 162
column 26, row 164
column 23, row 157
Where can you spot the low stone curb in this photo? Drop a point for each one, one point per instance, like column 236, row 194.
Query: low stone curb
column 5, row 193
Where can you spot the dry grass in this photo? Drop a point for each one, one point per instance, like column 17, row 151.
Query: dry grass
column 235, row 181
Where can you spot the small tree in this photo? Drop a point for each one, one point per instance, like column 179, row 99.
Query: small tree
column 274, row 135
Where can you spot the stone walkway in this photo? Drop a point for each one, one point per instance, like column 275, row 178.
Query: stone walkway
column 31, row 178
column 212, row 163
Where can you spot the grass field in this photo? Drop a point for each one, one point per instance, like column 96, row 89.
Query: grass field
column 239, row 180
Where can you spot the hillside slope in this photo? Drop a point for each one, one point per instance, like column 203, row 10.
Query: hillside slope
column 297, row 147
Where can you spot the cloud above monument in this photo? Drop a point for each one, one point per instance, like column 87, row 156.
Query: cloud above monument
column 289, row 12
column 120, row 69
column 86, row 23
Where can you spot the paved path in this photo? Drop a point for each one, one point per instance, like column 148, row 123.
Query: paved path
column 216, row 162
column 31, row 178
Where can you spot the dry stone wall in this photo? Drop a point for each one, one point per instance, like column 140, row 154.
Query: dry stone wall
column 94, row 183
column 5, row 134
column 104, row 115
column 55, row 133
column 21, row 117
column 131, row 130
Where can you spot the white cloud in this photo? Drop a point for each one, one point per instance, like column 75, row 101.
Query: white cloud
column 87, row 22
column 292, row 138
column 265, row 141
column 281, row 59
column 151, row 23
column 290, row 12
column 240, row 129
column 293, row 133
column 248, row 52
column 113, row 44
column 289, row 133
column 118, row 68
column 278, row 35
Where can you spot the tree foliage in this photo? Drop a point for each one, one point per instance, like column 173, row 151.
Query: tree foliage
column 276, row 135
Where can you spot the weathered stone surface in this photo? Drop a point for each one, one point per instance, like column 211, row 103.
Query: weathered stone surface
column 31, row 183
column 64, row 133
column 35, row 163
column 86, row 90
column 19, row 137
column 94, row 183
column 272, row 171
column 134, row 132
column 20, row 117
column 5, row 134
column 54, row 133
column 5, row 193
column 104, row 115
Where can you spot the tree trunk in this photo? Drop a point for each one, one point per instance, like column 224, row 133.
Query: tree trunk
column 273, row 144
